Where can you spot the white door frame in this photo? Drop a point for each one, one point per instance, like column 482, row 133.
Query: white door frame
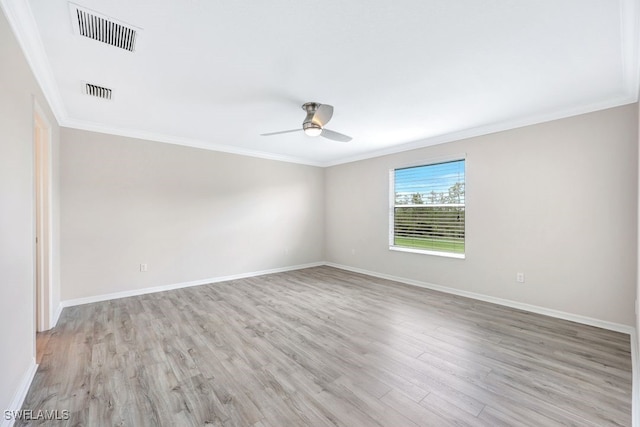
column 43, row 228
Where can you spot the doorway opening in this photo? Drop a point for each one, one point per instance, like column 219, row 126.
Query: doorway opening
column 43, row 226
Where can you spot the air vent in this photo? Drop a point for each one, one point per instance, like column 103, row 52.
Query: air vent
column 98, row 27
column 97, row 91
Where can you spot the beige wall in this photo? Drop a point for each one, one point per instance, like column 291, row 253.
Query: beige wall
column 556, row 201
column 192, row 214
column 189, row 214
column 18, row 89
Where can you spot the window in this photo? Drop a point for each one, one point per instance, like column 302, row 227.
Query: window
column 428, row 209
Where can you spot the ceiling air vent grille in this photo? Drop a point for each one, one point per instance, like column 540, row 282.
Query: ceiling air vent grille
column 97, row 91
column 106, row 30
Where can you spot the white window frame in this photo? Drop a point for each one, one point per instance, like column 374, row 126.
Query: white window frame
column 392, row 205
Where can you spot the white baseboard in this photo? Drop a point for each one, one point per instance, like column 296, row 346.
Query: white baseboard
column 633, row 334
column 143, row 291
column 21, row 393
column 495, row 300
column 56, row 315
column 500, row 301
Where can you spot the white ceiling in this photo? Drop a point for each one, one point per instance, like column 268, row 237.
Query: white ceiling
column 401, row 74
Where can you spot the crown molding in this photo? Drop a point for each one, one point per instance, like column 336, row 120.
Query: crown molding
column 24, row 28
column 440, row 139
column 22, row 22
column 187, row 142
column 489, row 129
column 630, row 49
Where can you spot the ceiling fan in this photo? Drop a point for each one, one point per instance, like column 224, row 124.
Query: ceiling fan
column 318, row 115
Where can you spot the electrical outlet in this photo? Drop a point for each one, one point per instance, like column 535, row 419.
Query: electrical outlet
column 520, row 277
column 143, row 267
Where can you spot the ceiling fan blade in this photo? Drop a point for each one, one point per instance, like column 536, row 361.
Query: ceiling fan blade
column 336, row 136
column 323, row 114
column 281, row 132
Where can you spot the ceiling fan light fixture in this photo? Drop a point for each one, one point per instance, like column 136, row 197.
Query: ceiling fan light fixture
column 312, row 129
column 318, row 115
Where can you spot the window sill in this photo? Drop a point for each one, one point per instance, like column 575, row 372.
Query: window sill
column 426, row 252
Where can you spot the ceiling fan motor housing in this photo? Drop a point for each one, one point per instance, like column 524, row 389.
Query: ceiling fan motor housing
column 311, row 127
column 310, row 108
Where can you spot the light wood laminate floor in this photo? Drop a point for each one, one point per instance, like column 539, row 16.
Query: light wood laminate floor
column 326, row 347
